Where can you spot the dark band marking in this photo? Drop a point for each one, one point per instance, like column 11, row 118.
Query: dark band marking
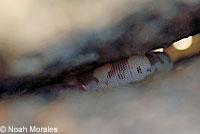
column 158, row 58
column 118, row 68
column 151, row 59
column 148, row 69
column 139, row 70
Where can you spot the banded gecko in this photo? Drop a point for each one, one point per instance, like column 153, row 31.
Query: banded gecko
column 132, row 69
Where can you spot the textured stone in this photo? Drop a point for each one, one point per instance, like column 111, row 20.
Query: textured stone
column 52, row 36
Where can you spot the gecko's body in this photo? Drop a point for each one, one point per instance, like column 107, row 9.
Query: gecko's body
column 127, row 70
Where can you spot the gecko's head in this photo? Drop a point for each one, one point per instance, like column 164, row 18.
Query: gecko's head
column 163, row 62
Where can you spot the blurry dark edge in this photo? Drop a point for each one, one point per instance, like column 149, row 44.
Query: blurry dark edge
column 185, row 23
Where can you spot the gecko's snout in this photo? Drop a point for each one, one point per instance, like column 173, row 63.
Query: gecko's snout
column 164, row 63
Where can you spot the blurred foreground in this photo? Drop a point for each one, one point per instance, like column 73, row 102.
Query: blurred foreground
column 166, row 103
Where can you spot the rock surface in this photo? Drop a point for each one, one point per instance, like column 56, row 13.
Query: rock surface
column 42, row 41
column 50, row 37
column 165, row 103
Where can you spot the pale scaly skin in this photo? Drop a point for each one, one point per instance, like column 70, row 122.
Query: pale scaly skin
column 132, row 69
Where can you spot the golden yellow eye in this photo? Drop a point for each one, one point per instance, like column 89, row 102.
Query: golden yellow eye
column 183, row 44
